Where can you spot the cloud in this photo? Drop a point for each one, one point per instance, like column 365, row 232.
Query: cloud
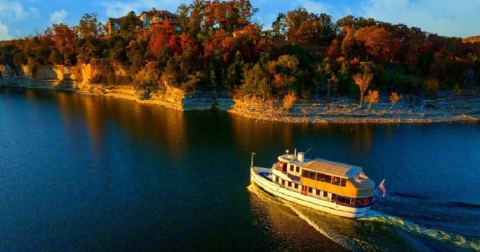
column 445, row 17
column 4, row 32
column 58, row 17
column 14, row 10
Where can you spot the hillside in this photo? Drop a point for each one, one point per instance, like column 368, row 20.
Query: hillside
column 215, row 47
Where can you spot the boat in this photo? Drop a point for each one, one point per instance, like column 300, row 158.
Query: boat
column 333, row 187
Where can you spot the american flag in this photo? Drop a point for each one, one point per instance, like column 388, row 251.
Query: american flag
column 382, row 188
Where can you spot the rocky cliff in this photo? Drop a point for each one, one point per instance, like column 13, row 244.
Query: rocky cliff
column 77, row 79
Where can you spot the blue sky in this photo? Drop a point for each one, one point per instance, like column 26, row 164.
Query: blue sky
column 459, row 18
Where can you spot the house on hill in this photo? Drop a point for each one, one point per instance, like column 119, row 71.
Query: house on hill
column 146, row 20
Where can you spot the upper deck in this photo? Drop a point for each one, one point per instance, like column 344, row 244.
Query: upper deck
column 340, row 178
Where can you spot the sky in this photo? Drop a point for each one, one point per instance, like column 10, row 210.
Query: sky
column 457, row 18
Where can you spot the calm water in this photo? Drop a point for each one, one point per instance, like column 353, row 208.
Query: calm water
column 93, row 173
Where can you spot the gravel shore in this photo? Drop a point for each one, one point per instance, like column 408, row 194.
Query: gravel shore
column 346, row 111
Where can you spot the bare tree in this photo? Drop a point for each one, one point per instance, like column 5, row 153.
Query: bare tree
column 362, row 80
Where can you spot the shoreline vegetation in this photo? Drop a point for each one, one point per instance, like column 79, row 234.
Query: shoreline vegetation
column 303, row 67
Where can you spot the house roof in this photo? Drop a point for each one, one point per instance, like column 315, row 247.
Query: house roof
column 158, row 13
column 115, row 20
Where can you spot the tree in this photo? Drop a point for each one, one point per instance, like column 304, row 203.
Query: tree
column 310, row 28
column 394, row 98
column 20, row 59
column 255, row 82
column 372, row 97
column 431, row 87
column 378, row 42
column 362, row 80
column 89, row 26
column 289, row 100
column 64, row 38
column 128, row 23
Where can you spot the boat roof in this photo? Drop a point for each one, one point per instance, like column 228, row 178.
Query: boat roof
column 332, row 168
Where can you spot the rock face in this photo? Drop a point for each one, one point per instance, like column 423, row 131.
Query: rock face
column 48, row 77
column 77, row 79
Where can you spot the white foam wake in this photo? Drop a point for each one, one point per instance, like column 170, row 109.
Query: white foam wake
column 342, row 240
column 452, row 239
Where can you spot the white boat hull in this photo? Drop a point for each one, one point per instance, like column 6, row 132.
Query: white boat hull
column 305, row 200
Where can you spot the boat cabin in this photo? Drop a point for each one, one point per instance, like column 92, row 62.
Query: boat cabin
column 337, row 182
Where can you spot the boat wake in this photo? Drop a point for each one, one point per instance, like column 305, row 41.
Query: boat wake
column 344, row 241
column 454, row 240
column 376, row 231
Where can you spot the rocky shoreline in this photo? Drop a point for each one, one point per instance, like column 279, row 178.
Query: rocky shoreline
column 332, row 111
column 345, row 111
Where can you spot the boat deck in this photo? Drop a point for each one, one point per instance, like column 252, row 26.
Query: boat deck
column 265, row 175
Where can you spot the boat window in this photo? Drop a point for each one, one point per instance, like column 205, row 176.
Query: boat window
column 310, row 190
column 342, row 199
column 317, row 192
column 283, row 182
column 343, row 182
column 297, row 169
column 325, row 194
column 335, row 180
column 312, row 175
column 289, row 184
column 361, row 202
column 291, row 167
column 296, row 186
column 276, row 179
column 334, row 197
column 305, row 173
column 323, row 178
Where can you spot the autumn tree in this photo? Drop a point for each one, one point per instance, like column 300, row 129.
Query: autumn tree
column 394, row 98
column 378, row 42
column 64, row 38
column 286, row 70
column 289, row 100
column 372, row 97
column 309, row 28
column 362, row 80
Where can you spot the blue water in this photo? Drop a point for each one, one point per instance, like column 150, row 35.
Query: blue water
column 95, row 173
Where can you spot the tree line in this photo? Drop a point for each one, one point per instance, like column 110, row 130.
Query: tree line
column 221, row 48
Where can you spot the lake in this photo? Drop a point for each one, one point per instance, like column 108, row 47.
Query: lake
column 84, row 172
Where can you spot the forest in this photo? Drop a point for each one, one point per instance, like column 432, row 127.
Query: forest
column 220, row 48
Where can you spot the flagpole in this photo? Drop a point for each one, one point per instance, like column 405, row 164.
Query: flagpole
column 251, row 161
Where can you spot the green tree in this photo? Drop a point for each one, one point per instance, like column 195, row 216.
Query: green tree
column 90, row 26
column 128, row 23
column 20, row 59
column 255, row 82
